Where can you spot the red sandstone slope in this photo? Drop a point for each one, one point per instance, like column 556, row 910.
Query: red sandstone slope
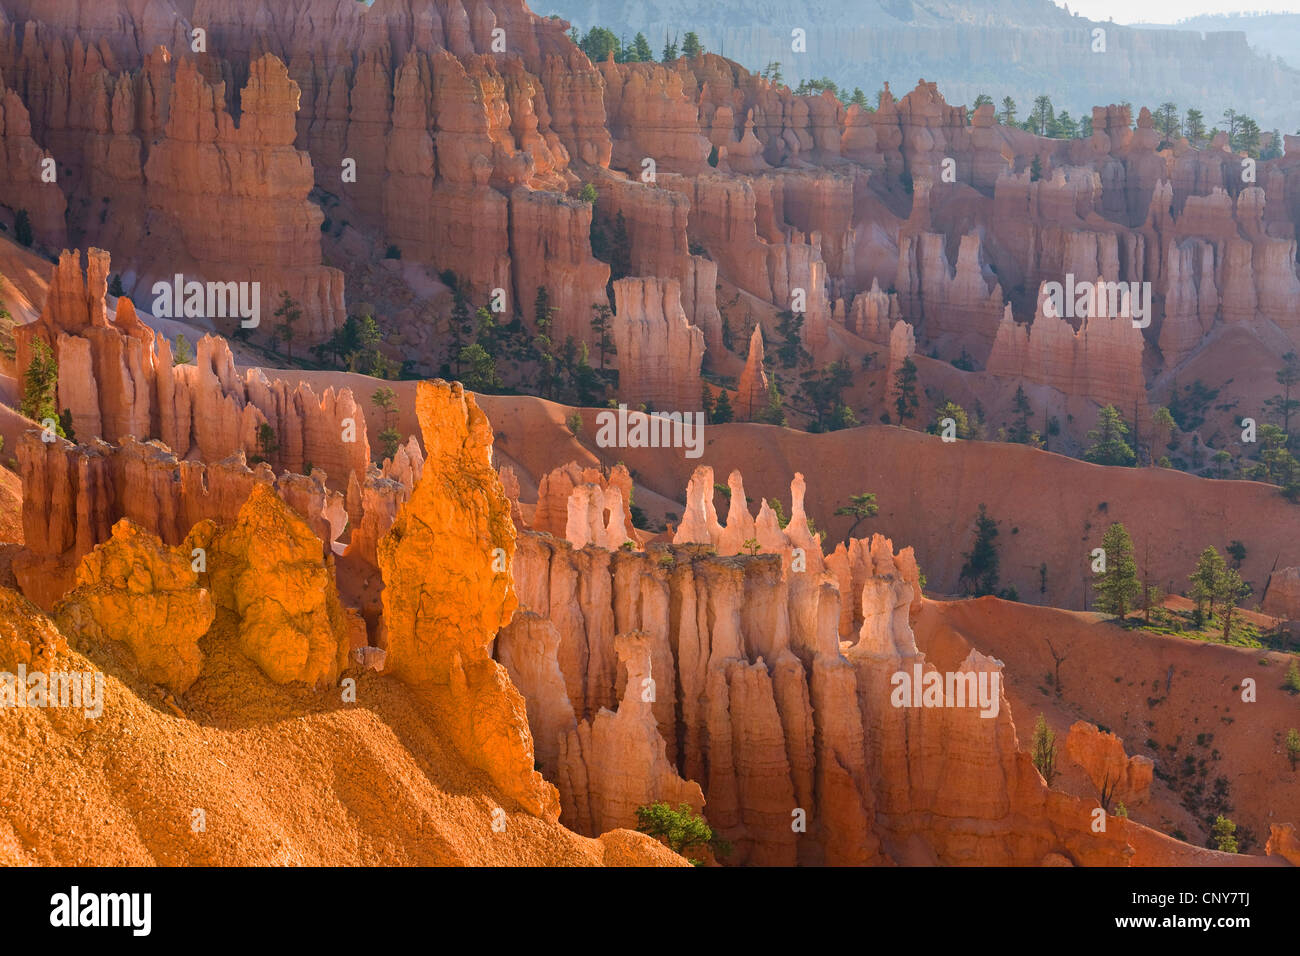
column 1168, row 698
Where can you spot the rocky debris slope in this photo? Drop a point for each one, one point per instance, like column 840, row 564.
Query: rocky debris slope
column 239, row 772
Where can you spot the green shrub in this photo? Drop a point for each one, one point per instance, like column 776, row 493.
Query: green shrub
column 680, row 830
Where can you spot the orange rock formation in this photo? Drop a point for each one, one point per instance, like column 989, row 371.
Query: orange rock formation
column 448, row 590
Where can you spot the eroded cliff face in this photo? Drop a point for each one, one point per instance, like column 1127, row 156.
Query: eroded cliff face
column 22, row 163
column 659, row 351
column 487, row 113
column 1102, row 359
column 262, row 760
column 1102, row 757
column 718, row 662
column 168, row 445
column 118, row 380
column 769, row 664
column 441, row 124
column 233, row 196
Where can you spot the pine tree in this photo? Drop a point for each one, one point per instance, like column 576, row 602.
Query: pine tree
column 1231, row 591
column 480, row 369
column 1167, row 121
column 1108, row 440
column 1232, row 124
column 722, row 410
column 289, row 313
column 979, row 573
column 268, row 443
column 40, row 384
column 385, row 399
column 860, row 507
column 1207, row 582
column 960, row 420
column 1008, row 114
column 599, row 43
column 459, row 329
column 1163, row 425
column 1288, row 376
column 23, row 228
column 1044, row 749
column 691, row 45
column 670, row 50
column 1224, row 834
column 1248, row 136
column 586, row 380
column 790, row 327
column 602, row 325
column 487, row 334
column 774, row 412
column 905, row 381
column 1020, row 432
column 543, row 345
column 1042, row 114
column 1118, row 586
column 680, row 830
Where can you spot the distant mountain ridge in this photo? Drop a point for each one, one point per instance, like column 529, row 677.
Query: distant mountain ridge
column 1276, row 34
column 1020, row 48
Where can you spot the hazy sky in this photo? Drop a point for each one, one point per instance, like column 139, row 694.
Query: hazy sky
column 1169, row 11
